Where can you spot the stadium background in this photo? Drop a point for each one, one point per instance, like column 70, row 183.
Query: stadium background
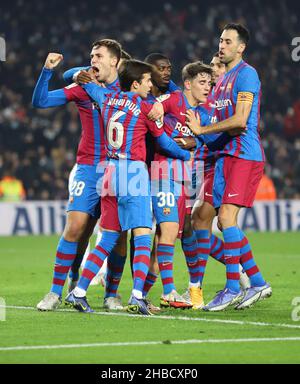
column 39, row 146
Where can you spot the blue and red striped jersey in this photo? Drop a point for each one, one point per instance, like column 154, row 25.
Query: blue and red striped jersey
column 91, row 148
column 241, row 78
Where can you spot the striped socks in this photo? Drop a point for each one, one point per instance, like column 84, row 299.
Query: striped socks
column 95, row 261
column 232, row 249
column 217, row 248
column 190, row 249
column 141, row 263
column 165, row 255
column 65, row 255
column 203, row 240
column 115, row 267
column 149, row 282
column 249, row 264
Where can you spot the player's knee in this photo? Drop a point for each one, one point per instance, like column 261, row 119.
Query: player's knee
column 169, row 233
column 74, row 230
column 200, row 220
column 226, row 218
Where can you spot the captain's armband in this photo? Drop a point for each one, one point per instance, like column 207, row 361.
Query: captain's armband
column 245, row 97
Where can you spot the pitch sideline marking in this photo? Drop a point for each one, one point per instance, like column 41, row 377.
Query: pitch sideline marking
column 142, row 343
column 222, row 321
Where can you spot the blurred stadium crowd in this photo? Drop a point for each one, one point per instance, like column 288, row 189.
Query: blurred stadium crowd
column 39, row 146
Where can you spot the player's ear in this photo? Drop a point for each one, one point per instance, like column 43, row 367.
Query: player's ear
column 241, row 48
column 114, row 61
column 187, row 85
column 135, row 85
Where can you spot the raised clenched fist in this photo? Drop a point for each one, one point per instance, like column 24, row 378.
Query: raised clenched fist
column 53, row 59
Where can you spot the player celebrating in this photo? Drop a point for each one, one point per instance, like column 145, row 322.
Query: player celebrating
column 83, row 208
column 240, row 165
column 126, row 125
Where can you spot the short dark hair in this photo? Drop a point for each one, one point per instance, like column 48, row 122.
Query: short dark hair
column 132, row 70
column 242, row 31
column 113, row 47
column 125, row 55
column 191, row 70
column 152, row 58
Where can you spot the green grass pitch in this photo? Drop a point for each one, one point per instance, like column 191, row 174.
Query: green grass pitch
column 265, row 333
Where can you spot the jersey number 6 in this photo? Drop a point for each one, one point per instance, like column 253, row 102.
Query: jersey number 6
column 115, row 130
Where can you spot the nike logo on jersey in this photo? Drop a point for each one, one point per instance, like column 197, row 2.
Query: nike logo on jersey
column 232, row 194
column 207, row 194
column 182, row 114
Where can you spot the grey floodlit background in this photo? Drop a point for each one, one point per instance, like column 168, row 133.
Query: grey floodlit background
column 39, row 147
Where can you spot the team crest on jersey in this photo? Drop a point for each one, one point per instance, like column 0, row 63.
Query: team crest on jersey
column 229, row 86
column 71, row 199
column 163, row 97
column 71, row 86
column 167, row 211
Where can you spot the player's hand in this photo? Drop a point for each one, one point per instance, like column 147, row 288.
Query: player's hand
column 186, row 142
column 53, row 59
column 193, row 122
column 157, row 112
column 82, row 77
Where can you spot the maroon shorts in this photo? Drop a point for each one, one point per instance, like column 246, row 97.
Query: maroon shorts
column 109, row 218
column 236, row 181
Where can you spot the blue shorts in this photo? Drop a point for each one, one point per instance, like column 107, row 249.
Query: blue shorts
column 166, row 201
column 126, row 201
column 84, row 191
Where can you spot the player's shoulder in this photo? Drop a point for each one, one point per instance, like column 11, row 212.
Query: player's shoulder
column 146, row 106
column 172, row 96
column 247, row 70
column 204, row 115
column 202, row 110
column 75, row 90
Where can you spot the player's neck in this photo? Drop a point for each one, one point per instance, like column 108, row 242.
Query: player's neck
column 233, row 63
column 112, row 78
column 156, row 92
column 190, row 98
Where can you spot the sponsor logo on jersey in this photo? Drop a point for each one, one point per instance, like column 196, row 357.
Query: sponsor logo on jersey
column 184, row 129
column 163, row 97
column 223, row 103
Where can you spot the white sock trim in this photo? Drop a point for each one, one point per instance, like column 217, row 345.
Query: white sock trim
column 137, row 294
column 79, row 292
column 197, row 285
